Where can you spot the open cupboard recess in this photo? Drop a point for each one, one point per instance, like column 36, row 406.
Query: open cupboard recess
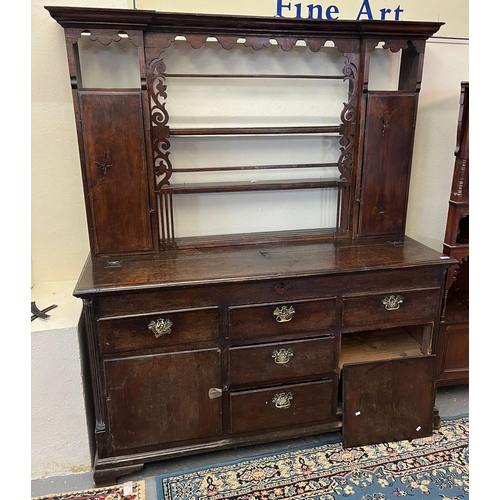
column 246, row 186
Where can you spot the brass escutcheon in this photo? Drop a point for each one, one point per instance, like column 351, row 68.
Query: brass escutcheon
column 282, row 400
column 160, row 327
column 284, row 314
column 282, row 356
column 392, row 302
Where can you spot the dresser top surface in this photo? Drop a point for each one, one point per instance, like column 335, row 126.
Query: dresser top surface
column 191, row 267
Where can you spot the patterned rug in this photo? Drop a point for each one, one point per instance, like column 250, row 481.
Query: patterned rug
column 430, row 468
column 134, row 490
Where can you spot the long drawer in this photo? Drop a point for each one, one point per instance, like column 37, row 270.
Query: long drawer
column 281, row 361
column 393, row 307
column 282, row 406
column 158, row 330
column 255, row 321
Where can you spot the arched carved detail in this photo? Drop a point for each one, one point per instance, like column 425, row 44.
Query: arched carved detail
column 287, row 44
column 315, row 44
column 347, row 46
column 196, row 41
column 395, row 45
column 257, row 43
column 227, row 42
column 104, row 36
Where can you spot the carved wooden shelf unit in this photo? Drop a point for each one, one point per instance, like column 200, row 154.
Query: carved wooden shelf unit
column 198, row 342
column 453, row 348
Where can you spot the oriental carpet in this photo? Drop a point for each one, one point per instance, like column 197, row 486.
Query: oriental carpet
column 134, row 490
column 436, row 467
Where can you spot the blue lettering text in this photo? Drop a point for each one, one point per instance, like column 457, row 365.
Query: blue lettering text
column 330, row 11
column 280, row 6
column 365, row 10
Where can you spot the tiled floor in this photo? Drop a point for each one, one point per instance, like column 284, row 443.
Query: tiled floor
column 451, row 401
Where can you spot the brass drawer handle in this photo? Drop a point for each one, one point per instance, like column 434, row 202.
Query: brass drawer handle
column 284, row 314
column 160, row 327
column 282, row 400
column 392, row 302
column 282, row 356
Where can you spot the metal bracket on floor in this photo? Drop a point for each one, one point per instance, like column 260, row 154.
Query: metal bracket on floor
column 37, row 313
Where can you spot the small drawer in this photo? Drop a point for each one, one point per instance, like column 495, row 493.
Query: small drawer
column 281, row 318
column 281, row 362
column 391, row 307
column 158, row 330
column 283, row 406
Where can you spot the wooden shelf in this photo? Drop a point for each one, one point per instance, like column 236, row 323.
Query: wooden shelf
column 288, row 166
column 227, row 187
column 377, row 346
column 211, row 131
column 262, row 75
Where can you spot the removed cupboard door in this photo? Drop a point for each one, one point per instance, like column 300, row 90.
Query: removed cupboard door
column 389, row 400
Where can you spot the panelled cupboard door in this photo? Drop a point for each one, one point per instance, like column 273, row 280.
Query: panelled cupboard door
column 390, row 120
column 389, row 400
column 116, row 173
column 163, row 398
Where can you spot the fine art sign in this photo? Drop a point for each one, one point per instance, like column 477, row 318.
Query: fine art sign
column 455, row 14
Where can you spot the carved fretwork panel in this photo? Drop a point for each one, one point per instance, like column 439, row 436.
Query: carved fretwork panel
column 155, row 68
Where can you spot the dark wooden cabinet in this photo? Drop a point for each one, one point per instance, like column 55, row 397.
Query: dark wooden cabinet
column 453, row 346
column 199, row 343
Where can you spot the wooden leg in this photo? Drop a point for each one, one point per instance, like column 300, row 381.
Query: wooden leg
column 108, row 477
column 436, row 419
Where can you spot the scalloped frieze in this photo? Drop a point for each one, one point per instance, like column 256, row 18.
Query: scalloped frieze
column 347, row 46
column 104, row 36
column 395, row 45
column 256, row 43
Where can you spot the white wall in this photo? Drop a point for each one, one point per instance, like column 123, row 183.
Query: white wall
column 59, row 241
column 59, row 247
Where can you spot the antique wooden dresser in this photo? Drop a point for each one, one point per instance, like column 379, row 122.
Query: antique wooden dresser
column 453, row 346
column 203, row 342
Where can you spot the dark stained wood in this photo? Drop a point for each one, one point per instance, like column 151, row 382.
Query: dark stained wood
column 253, row 75
column 281, row 361
column 153, row 32
column 236, row 264
column 226, row 187
column 255, row 130
column 254, row 321
column 272, row 289
column 380, row 402
column 108, row 476
column 235, row 25
column 228, row 374
column 453, row 354
column 453, row 343
column 125, row 334
column 154, row 400
column 365, row 310
column 386, row 163
column 116, row 172
column 255, row 410
column 254, row 167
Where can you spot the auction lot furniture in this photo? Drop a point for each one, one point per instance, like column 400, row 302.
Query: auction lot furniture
column 453, row 346
column 199, row 342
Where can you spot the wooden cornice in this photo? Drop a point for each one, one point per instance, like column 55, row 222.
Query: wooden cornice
column 210, row 24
